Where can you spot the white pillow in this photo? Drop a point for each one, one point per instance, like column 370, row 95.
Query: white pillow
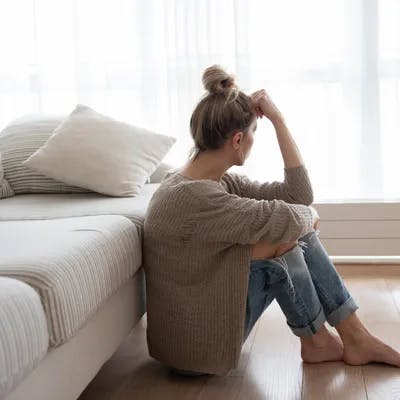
column 96, row 152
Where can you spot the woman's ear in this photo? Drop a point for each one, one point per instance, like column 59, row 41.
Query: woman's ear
column 237, row 138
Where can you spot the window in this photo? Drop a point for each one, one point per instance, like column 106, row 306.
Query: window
column 332, row 67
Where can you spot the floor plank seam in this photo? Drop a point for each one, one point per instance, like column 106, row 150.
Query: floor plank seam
column 365, row 385
column 302, row 394
column 392, row 295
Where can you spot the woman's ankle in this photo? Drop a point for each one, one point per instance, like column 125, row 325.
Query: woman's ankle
column 320, row 337
column 322, row 346
column 351, row 328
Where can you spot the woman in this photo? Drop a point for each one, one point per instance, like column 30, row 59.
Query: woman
column 219, row 247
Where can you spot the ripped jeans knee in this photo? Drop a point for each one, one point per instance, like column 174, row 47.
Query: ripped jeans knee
column 305, row 241
column 290, row 256
column 282, row 268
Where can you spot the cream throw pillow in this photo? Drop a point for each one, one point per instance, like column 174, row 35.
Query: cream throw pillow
column 96, row 152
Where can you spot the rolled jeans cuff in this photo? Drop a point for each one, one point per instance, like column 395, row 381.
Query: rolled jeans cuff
column 312, row 327
column 342, row 312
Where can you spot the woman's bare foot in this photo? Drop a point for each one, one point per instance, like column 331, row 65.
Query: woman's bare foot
column 323, row 346
column 368, row 348
column 361, row 347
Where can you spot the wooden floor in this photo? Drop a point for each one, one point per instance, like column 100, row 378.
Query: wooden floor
column 270, row 365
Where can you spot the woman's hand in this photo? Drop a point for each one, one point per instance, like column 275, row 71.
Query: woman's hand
column 315, row 217
column 255, row 97
column 265, row 106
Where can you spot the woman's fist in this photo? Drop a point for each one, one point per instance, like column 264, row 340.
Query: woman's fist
column 315, row 217
column 264, row 105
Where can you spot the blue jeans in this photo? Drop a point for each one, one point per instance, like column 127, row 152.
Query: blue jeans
column 306, row 286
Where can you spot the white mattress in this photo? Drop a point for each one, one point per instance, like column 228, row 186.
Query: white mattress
column 50, row 206
column 23, row 332
column 74, row 264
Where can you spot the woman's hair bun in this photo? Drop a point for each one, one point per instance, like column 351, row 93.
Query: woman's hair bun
column 217, row 80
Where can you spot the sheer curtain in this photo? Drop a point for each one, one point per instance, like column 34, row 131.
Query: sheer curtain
column 332, row 67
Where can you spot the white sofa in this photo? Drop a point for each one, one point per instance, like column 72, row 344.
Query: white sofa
column 71, row 287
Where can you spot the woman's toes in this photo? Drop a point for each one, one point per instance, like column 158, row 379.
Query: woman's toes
column 386, row 354
column 371, row 350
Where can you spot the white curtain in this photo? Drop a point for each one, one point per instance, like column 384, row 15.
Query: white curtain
column 332, row 67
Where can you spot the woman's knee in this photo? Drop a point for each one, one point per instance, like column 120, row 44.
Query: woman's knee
column 285, row 247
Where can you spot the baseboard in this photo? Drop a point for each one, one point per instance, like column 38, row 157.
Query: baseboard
column 364, row 228
column 377, row 270
column 365, row 259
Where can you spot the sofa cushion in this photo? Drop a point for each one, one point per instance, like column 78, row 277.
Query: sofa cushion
column 50, row 206
column 18, row 141
column 24, row 338
column 75, row 264
column 94, row 151
column 5, row 188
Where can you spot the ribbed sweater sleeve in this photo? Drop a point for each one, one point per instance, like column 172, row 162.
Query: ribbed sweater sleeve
column 296, row 187
column 222, row 216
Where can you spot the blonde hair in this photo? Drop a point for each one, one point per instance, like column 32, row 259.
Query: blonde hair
column 223, row 110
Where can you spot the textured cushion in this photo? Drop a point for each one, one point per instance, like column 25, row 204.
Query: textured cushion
column 75, row 264
column 24, row 337
column 96, row 152
column 5, row 188
column 19, row 140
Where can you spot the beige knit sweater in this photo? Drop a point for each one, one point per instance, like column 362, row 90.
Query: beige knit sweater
column 197, row 252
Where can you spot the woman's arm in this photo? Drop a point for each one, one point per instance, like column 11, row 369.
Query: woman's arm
column 296, row 187
column 265, row 106
column 290, row 152
column 216, row 215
